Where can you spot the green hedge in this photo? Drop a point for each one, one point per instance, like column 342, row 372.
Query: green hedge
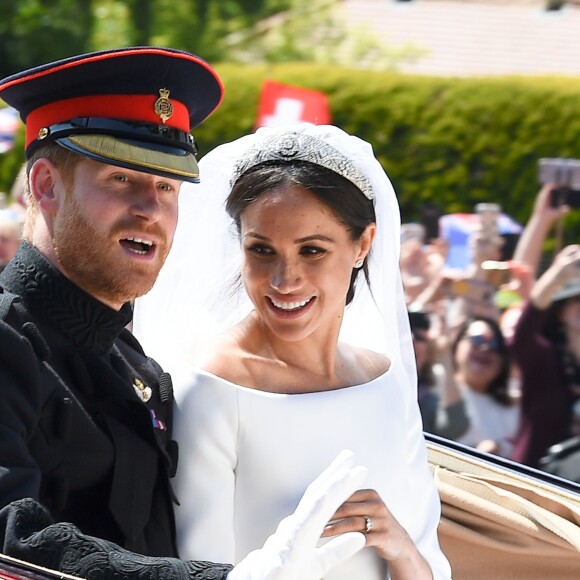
column 453, row 142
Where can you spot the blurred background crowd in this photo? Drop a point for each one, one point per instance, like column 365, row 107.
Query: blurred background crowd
column 497, row 335
column 12, row 212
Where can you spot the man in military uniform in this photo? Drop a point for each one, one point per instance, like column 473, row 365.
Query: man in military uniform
column 86, row 454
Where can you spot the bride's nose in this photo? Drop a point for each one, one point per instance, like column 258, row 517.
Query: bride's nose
column 287, row 276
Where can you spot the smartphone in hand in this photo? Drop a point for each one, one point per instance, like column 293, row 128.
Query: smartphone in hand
column 565, row 175
column 496, row 273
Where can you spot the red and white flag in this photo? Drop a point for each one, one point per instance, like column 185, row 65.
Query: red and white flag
column 282, row 105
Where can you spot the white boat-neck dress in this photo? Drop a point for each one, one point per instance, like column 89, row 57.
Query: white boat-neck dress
column 247, row 456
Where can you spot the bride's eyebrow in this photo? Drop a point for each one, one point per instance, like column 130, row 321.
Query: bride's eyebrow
column 314, row 238
column 257, row 236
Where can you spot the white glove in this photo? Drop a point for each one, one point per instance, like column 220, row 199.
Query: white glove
column 291, row 553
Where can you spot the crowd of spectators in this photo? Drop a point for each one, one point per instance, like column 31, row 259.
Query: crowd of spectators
column 497, row 342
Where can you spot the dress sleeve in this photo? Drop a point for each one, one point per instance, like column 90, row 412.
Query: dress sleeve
column 206, row 424
column 423, row 505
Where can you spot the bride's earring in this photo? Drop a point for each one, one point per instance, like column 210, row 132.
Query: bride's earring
column 358, row 263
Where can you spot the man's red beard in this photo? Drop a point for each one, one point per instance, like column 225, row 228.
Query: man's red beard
column 89, row 257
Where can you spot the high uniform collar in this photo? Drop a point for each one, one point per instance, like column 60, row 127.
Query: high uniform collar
column 54, row 299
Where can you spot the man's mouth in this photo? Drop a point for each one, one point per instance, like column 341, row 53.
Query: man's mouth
column 137, row 245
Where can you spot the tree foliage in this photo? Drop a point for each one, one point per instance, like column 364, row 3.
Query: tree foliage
column 313, row 31
column 33, row 32
column 204, row 26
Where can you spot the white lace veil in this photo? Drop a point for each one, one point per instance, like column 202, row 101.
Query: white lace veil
column 194, row 296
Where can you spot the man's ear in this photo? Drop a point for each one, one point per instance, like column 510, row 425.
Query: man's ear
column 44, row 176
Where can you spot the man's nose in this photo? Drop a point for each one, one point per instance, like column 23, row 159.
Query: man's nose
column 146, row 204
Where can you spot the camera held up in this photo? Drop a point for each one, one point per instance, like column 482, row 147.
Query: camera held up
column 565, row 174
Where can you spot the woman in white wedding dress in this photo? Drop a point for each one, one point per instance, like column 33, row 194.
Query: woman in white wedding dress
column 318, row 359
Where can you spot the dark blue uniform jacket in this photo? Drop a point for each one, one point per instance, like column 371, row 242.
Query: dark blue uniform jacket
column 86, row 453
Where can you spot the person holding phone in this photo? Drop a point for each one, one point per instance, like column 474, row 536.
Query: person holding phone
column 546, row 346
column 544, row 217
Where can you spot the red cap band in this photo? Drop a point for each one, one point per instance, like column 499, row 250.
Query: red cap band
column 140, row 108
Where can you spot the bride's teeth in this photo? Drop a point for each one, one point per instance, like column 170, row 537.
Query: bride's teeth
column 290, row 305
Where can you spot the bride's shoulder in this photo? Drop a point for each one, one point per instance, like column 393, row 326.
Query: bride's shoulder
column 374, row 364
column 224, row 357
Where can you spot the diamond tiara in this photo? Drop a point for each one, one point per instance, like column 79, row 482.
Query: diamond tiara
column 293, row 146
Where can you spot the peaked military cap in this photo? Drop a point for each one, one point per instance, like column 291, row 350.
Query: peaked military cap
column 131, row 107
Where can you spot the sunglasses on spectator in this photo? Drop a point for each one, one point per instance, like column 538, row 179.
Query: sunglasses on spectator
column 481, row 340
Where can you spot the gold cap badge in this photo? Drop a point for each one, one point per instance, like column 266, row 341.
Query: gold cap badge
column 163, row 106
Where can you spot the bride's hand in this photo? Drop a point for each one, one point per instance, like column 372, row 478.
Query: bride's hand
column 365, row 511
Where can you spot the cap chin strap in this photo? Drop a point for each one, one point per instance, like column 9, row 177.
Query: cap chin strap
column 163, row 135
